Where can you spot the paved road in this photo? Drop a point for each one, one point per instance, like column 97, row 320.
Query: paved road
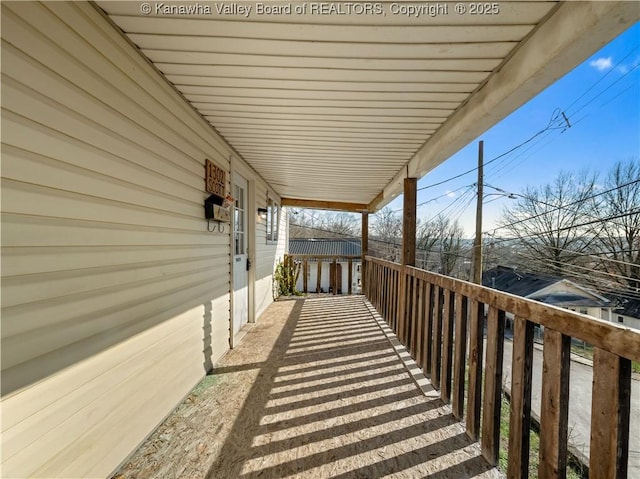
column 580, row 385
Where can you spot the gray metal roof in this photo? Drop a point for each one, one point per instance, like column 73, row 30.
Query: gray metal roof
column 527, row 284
column 325, row 247
column 511, row 281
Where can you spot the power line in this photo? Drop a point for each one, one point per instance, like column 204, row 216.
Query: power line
column 554, row 118
column 556, row 208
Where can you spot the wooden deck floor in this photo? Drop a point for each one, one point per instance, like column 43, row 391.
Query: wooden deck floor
column 314, row 390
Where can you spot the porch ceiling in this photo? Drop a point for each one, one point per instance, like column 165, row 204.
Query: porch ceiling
column 341, row 107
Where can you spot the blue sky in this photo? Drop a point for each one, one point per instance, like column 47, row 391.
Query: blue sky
column 605, row 128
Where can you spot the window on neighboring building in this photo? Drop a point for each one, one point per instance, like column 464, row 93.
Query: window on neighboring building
column 273, row 213
column 620, row 319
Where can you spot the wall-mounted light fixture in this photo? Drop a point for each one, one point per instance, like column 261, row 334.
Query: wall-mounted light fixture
column 262, row 213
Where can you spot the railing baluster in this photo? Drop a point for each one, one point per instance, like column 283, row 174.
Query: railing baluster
column 419, row 299
column 402, row 307
column 447, row 345
column 413, row 323
column 394, row 301
column 493, row 386
column 460, row 352
column 555, row 401
column 428, row 329
column 520, row 406
column 476, row 346
column 610, row 409
column 436, row 339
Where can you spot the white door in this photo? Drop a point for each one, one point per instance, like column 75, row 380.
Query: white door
column 240, row 240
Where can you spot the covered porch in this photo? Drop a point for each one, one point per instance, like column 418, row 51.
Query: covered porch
column 119, row 293
column 320, row 390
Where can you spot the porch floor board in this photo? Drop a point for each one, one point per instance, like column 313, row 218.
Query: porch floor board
column 314, row 390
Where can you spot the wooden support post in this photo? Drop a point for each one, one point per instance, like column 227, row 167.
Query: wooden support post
column 460, row 353
column 409, row 222
column 350, row 275
column 520, row 405
column 319, row 278
column 447, row 345
column 610, row 410
column 476, row 346
column 334, row 278
column 365, row 252
column 554, row 412
column 408, row 252
column 305, row 274
column 492, row 399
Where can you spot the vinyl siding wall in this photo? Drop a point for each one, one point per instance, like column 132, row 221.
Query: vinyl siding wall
column 115, row 297
column 267, row 252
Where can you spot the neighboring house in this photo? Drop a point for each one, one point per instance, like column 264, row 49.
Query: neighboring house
column 550, row 290
column 627, row 313
column 324, row 250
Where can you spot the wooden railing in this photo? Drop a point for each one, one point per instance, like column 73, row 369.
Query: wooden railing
column 334, row 271
column 432, row 314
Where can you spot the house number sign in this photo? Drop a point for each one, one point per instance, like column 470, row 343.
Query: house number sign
column 216, row 179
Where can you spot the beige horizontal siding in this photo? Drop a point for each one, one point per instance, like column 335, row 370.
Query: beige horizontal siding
column 115, row 297
column 267, row 253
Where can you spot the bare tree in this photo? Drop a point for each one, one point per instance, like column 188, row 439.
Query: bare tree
column 549, row 221
column 305, row 223
column 386, row 235
column 341, row 224
column 619, row 207
column 427, row 237
column 450, row 244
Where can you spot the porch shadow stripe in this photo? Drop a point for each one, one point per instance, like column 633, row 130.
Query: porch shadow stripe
column 331, row 353
column 415, row 372
column 344, row 429
column 335, row 384
column 467, row 469
column 337, row 412
column 269, row 410
column 332, row 374
column 348, row 450
column 256, row 400
column 337, row 335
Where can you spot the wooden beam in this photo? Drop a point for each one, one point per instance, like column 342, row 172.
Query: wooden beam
column 324, row 205
column 373, row 204
column 409, row 222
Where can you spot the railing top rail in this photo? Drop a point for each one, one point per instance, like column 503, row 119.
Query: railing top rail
column 619, row 340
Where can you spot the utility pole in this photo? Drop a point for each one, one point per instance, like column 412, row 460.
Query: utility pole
column 477, row 242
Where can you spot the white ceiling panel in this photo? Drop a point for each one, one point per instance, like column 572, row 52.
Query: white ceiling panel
column 328, row 105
